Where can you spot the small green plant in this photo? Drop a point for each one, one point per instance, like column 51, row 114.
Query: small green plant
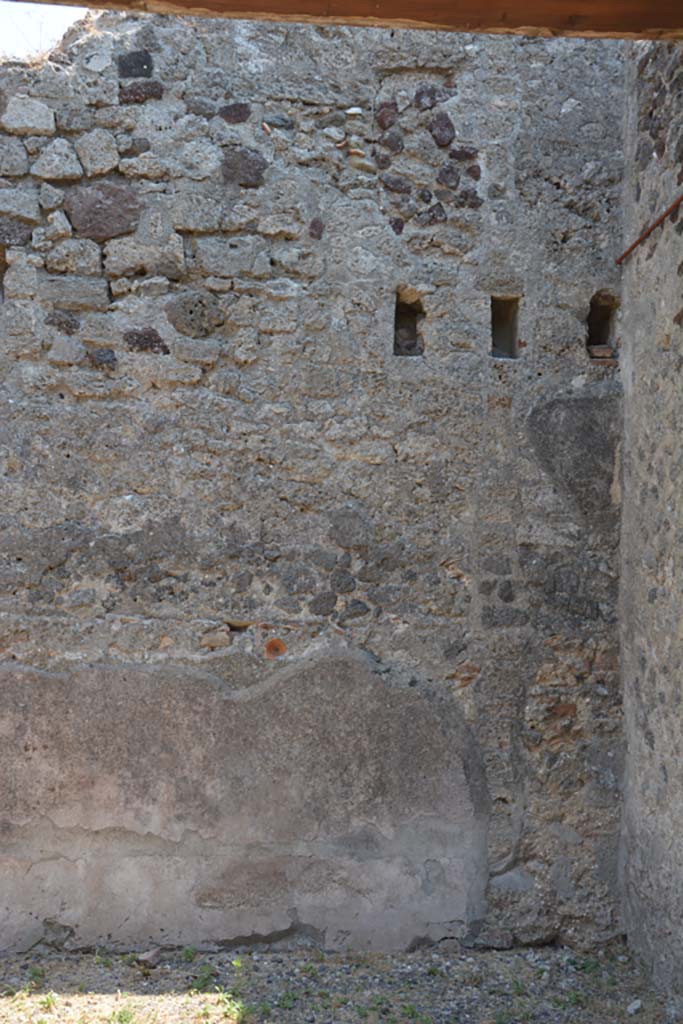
column 102, row 960
column 287, row 1000
column 434, row 971
column 129, row 958
column 362, row 1012
column 123, row 1016
column 48, row 1002
column 203, row 979
column 36, row 975
column 234, row 1008
column 310, row 970
column 409, row 1011
column 189, row 954
column 241, row 977
column 518, row 987
column 264, row 1010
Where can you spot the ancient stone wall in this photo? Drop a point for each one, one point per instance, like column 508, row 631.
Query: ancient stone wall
column 308, row 597
column 652, row 595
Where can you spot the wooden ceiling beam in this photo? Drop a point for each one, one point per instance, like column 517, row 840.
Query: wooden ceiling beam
column 639, row 19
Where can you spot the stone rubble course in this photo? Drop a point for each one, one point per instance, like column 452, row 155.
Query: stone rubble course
column 304, row 639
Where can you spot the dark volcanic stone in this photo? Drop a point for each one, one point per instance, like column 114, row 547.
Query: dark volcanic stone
column 386, row 114
column 350, row 529
column 449, row 175
column 146, row 340
column 14, row 231
column 137, row 145
column 382, row 159
column 407, row 207
column 323, row 604
column 102, row 358
column 463, row 153
column 644, row 154
column 393, row 140
column 342, row 581
column 280, row 121
column 102, row 211
column 65, row 322
column 425, row 97
column 355, row 610
column 395, row 183
column 243, row 166
column 138, row 64
column 140, row 91
column 235, row 113
column 434, row 215
column 397, row 225
column 316, row 229
column 504, row 617
column 441, row 129
column 469, row 199
column 195, row 313
column 200, row 107
column 146, row 39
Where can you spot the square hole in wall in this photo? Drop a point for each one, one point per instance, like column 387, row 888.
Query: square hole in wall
column 600, row 325
column 408, row 317
column 504, row 319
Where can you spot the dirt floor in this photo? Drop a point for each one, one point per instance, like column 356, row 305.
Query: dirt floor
column 432, row 986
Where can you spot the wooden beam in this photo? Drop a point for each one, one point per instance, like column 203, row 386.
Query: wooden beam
column 639, row 19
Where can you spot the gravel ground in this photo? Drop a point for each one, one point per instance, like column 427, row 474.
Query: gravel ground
column 432, row 986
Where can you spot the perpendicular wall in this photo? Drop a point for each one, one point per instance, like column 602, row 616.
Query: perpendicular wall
column 652, row 637
column 310, row 487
